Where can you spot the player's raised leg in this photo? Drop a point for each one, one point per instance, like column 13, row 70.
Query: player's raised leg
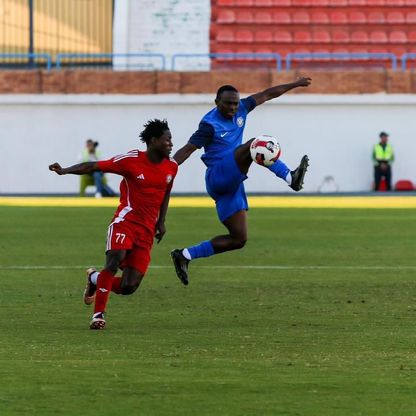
column 294, row 178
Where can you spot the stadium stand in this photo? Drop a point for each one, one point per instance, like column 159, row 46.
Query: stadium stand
column 351, row 26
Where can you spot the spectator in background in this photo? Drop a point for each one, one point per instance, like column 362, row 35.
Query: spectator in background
column 383, row 158
column 90, row 154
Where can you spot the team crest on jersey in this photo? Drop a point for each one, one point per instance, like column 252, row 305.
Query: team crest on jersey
column 168, row 178
column 240, row 121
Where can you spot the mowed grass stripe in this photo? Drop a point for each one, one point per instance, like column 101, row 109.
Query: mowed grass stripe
column 241, row 267
column 376, row 201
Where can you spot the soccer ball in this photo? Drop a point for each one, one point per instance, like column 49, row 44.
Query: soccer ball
column 265, row 150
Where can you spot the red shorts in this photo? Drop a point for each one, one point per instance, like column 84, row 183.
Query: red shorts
column 135, row 239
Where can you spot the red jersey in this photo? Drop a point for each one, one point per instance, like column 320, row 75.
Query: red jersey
column 143, row 187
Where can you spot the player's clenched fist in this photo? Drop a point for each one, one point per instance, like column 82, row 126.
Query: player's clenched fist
column 56, row 167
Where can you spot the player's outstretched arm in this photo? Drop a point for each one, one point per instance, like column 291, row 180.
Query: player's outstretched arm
column 184, row 152
column 278, row 90
column 79, row 169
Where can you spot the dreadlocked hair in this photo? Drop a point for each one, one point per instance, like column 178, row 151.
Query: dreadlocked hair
column 153, row 128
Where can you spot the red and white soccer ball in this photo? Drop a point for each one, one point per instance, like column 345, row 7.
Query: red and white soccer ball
column 265, row 150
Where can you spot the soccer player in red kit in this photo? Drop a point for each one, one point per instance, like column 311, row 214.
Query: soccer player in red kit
column 140, row 217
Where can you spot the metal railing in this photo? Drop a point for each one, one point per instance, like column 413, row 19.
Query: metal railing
column 36, row 60
column 61, row 57
column 32, row 60
column 405, row 57
column 229, row 57
column 342, row 57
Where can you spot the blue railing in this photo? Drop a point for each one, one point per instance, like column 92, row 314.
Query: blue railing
column 62, row 56
column 31, row 58
column 229, row 56
column 341, row 56
column 405, row 58
column 34, row 60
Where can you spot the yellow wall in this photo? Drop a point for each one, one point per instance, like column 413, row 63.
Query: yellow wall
column 60, row 26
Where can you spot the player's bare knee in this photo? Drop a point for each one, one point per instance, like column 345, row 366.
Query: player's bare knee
column 128, row 288
column 113, row 261
column 238, row 242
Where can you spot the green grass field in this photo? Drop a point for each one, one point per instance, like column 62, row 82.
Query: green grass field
column 328, row 329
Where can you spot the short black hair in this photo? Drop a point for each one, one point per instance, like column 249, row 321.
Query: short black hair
column 225, row 88
column 153, row 128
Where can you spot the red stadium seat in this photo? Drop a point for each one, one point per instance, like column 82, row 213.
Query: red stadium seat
column 282, row 3
column 302, row 3
column 338, row 18
column 375, row 2
column 317, row 3
column 222, row 50
column 340, row 36
column 378, row 37
column 226, row 16
column 281, row 17
column 282, row 36
column 338, row 3
column 300, row 17
column 264, row 18
column 357, row 18
column 225, row 2
column 410, row 2
column 359, row 49
column 359, row 37
column 263, row 36
column 263, row 3
column 341, row 50
column 395, row 17
column 243, row 36
column 411, row 17
column 247, row 50
column 376, row 17
column 412, row 36
column 404, row 185
column 397, row 3
column 321, row 36
column 397, row 36
column 243, row 16
column 302, row 36
column 243, row 2
column 225, row 35
column 357, row 2
column 319, row 17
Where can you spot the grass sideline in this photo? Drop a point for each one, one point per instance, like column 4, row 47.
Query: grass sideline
column 371, row 201
column 332, row 341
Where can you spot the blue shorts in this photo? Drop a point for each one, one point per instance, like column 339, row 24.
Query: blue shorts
column 224, row 182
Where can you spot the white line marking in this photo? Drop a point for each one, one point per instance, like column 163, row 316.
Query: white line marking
column 248, row 267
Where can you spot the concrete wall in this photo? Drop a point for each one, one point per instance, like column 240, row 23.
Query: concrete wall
column 336, row 131
column 163, row 26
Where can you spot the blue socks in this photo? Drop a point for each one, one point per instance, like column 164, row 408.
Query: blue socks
column 280, row 170
column 203, row 249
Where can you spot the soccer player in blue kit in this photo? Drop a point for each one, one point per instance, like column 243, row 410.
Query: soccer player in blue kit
column 220, row 132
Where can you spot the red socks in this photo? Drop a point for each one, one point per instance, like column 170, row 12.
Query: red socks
column 104, row 283
column 116, row 285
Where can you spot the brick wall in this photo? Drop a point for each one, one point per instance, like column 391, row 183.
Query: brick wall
column 103, row 82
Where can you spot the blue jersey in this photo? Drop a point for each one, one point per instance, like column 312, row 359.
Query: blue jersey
column 219, row 135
